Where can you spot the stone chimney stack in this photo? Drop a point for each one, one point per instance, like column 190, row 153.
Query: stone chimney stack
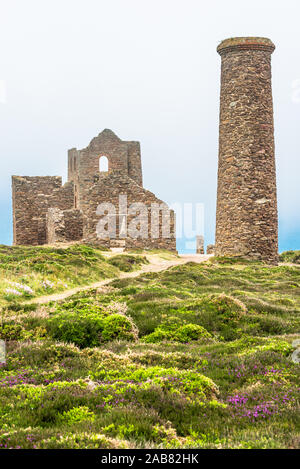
column 246, row 223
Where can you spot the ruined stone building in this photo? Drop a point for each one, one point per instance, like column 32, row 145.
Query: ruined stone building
column 45, row 211
column 246, row 223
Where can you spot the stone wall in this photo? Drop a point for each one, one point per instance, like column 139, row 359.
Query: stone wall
column 64, row 225
column 246, row 222
column 123, row 157
column 134, row 162
column 32, row 197
column 199, row 244
column 210, row 249
column 108, row 190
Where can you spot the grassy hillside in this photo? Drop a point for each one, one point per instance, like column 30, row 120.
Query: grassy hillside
column 28, row 272
column 197, row 356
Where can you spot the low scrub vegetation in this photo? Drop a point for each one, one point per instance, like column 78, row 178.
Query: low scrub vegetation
column 197, row 356
column 290, row 256
column 128, row 263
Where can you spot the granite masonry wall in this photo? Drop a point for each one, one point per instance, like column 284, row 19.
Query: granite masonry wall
column 123, row 157
column 246, row 223
column 210, row 249
column 155, row 228
column 200, row 244
column 64, row 225
column 32, row 197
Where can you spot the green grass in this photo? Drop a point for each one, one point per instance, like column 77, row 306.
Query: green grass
column 28, row 272
column 194, row 357
column 128, row 263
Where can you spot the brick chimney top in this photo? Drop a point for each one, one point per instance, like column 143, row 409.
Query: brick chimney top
column 245, row 43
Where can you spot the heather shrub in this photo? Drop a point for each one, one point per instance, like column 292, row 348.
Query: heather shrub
column 173, row 331
column 82, row 330
column 118, row 326
column 186, row 381
column 76, row 415
column 81, row 440
column 182, row 386
column 189, row 332
column 268, row 324
column 12, row 332
column 89, row 326
column 37, row 353
column 54, row 439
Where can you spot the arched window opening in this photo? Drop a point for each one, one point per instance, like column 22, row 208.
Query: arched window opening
column 103, row 164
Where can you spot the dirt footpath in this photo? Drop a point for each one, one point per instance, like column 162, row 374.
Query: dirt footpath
column 156, row 264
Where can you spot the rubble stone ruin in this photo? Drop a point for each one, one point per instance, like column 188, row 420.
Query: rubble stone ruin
column 200, row 244
column 45, row 211
column 246, row 223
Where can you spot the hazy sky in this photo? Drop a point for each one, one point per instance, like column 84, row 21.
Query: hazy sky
column 149, row 70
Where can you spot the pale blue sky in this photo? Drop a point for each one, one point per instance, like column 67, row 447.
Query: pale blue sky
column 149, row 71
